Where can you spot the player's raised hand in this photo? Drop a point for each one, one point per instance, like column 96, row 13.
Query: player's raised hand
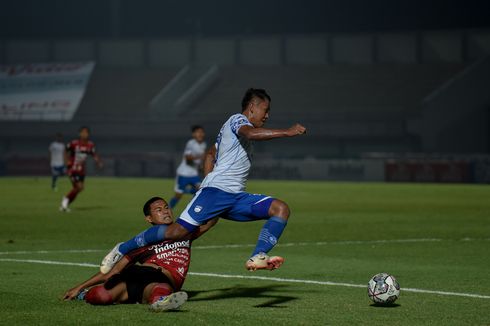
column 296, row 130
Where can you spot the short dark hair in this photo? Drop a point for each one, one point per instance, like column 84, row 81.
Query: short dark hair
column 196, row 127
column 254, row 92
column 84, row 127
column 146, row 206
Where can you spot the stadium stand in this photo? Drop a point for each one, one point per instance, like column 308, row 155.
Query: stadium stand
column 374, row 103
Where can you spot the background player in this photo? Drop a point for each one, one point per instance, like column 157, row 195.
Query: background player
column 187, row 180
column 77, row 151
column 57, row 155
column 163, row 270
column 223, row 190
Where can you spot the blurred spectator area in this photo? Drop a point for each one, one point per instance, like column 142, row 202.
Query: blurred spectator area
column 397, row 92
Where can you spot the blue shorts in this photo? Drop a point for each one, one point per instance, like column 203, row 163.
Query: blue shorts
column 58, row 170
column 187, row 185
column 212, row 202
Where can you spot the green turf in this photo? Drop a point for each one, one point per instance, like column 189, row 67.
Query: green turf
column 455, row 220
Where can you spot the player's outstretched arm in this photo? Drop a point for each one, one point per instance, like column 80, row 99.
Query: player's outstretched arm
column 204, row 228
column 98, row 278
column 252, row 133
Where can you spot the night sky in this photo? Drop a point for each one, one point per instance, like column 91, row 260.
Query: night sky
column 167, row 18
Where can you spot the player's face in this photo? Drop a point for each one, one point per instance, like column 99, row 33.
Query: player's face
column 259, row 112
column 199, row 135
column 84, row 134
column 160, row 213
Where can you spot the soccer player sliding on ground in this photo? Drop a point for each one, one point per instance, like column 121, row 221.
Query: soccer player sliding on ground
column 222, row 192
column 159, row 278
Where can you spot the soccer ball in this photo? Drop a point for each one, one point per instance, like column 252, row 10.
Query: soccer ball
column 383, row 288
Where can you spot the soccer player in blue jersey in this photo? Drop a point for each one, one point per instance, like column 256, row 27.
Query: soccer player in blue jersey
column 222, row 193
column 58, row 160
column 187, row 180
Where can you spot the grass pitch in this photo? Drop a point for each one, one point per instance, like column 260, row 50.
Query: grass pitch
column 433, row 238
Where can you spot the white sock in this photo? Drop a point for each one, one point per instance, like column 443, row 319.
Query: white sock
column 64, row 202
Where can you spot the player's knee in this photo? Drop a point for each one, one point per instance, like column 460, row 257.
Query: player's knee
column 98, row 295
column 158, row 291
column 79, row 187
column 280, row 209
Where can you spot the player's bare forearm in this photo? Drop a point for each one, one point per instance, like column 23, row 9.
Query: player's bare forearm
column 205, row 228
column 209, row 160
column 96, row 279
column 191, row 157
column 267, row 134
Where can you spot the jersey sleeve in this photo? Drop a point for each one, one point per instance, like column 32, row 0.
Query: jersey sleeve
column 239, row 121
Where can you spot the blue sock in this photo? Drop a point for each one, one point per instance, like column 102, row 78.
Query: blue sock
column 270, row 233
column 53, row 181
column 173, row 202
column 152, row 235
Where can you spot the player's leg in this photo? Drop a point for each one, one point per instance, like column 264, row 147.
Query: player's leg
column 99, row 295
column 207, row 204
column 278, row 213
column 77, row 187
column 179, row 191
column 175, row 199
column 54, row 177
column 65, row 201
column 269, row 236
column 259, row 207
column 57, row 172
column 151, row 235
column 162, row 297
column 195, row 184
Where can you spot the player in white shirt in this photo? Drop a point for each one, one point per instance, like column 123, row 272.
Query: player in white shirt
column 187, row 180
column 222, row 192
column 57, row 155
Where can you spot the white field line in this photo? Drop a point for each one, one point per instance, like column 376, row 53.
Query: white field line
column 287, row 244
column 261, row 278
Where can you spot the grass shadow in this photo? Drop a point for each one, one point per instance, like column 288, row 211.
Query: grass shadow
column 385, row 305
column 275, row 299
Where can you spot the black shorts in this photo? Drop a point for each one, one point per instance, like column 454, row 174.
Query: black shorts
column 137, row 278
column 75, row 177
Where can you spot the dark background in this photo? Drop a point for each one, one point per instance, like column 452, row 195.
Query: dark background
column 163, row 18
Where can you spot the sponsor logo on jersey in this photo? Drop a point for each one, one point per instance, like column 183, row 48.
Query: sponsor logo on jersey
column 170, row 246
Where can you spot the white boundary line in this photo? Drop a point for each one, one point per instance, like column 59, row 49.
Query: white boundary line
column 26, row 252
column 287, row 244
column 261, row 278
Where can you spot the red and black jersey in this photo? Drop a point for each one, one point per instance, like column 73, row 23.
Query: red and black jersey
column 77, row 155
column 174, row 256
